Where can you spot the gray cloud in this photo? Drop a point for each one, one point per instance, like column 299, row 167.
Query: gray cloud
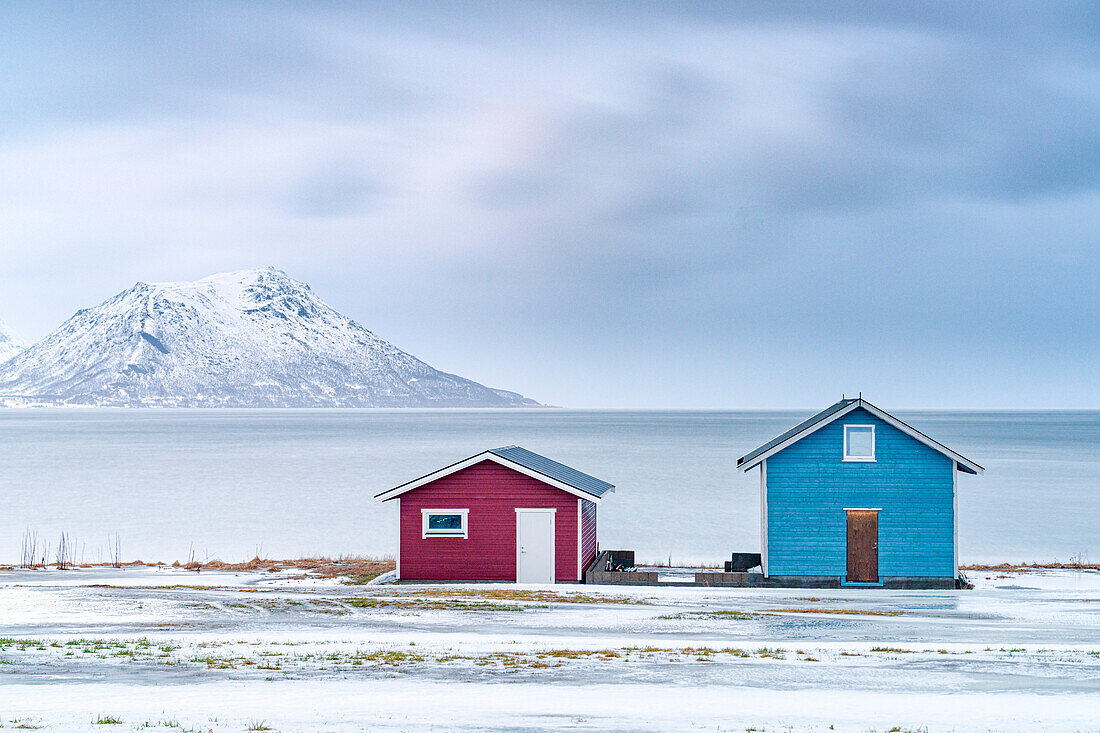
column 335, row 189
column 690, row 204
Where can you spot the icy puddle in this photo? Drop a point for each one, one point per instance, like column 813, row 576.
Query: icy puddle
column 232, row 652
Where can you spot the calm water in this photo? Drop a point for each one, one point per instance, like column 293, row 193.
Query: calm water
column 285, row 483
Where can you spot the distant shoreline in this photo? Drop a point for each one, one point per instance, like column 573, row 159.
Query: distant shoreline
column 539, row 408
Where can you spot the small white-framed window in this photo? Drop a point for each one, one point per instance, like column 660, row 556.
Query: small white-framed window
column 445, row 523
column 859, row 442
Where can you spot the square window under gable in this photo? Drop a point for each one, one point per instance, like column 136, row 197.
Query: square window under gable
column 859, row 442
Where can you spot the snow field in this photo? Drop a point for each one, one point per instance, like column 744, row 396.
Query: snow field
column 225, row 651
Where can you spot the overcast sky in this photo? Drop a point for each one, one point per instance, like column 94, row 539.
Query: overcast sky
column 617, row 205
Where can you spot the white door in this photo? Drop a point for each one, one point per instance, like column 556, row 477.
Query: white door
column 534, row 545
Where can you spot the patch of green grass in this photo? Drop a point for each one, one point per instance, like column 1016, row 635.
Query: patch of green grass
column 107, row 720
column 839, row 611
column 724, row 614
column 259, row 725
column 214, row 662
column 364, row 578
column 541, row 596
column 434, row 604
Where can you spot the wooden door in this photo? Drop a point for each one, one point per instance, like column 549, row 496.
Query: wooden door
column 862, row 546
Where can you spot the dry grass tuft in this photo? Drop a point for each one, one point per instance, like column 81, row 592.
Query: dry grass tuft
column 358, row 567
column 1025, row 567
column 355, row 566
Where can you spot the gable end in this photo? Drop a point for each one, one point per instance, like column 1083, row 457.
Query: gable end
column 591, row 491
column 836, row 412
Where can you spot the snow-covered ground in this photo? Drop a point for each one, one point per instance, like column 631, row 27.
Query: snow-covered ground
column 226, row 652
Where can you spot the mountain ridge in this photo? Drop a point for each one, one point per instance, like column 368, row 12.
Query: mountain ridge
column 10, row 344
column 252, row 338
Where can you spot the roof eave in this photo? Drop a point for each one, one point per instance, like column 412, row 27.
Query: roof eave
column 961, row 460
column 792, row 439
column 746, row 467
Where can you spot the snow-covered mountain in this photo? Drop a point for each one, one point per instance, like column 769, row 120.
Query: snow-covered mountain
column 10, row 345
column 256, row 338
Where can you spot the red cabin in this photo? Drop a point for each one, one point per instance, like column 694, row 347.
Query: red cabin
column 506, row 514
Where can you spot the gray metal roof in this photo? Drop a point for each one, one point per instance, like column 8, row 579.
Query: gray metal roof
column 553, row 469
column 804, row 425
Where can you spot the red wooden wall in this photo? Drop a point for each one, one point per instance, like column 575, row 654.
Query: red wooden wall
column 492, row 493
column 588, row 533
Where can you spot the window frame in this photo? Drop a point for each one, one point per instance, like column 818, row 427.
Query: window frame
column 463, row 533
column 859, row 459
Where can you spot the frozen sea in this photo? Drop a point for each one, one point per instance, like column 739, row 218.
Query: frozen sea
column 231, row 484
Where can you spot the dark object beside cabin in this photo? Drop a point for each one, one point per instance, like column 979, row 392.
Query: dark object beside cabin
column 616, row 567
column 742, row 561
column 618, row 560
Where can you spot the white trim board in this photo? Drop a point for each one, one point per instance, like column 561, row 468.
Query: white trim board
column 580, row 555
column 464, row 534
column 847, row 444
column 885, row 417
column 955, row 515
column 764, row 518
column 474, row 460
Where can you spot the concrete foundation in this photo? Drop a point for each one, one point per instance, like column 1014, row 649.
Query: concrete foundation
column 615, row 567
column 718, row 580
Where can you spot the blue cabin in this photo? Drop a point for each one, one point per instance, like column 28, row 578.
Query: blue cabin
column 854, row 496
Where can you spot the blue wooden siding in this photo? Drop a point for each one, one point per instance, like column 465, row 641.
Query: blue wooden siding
column 809, row 486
